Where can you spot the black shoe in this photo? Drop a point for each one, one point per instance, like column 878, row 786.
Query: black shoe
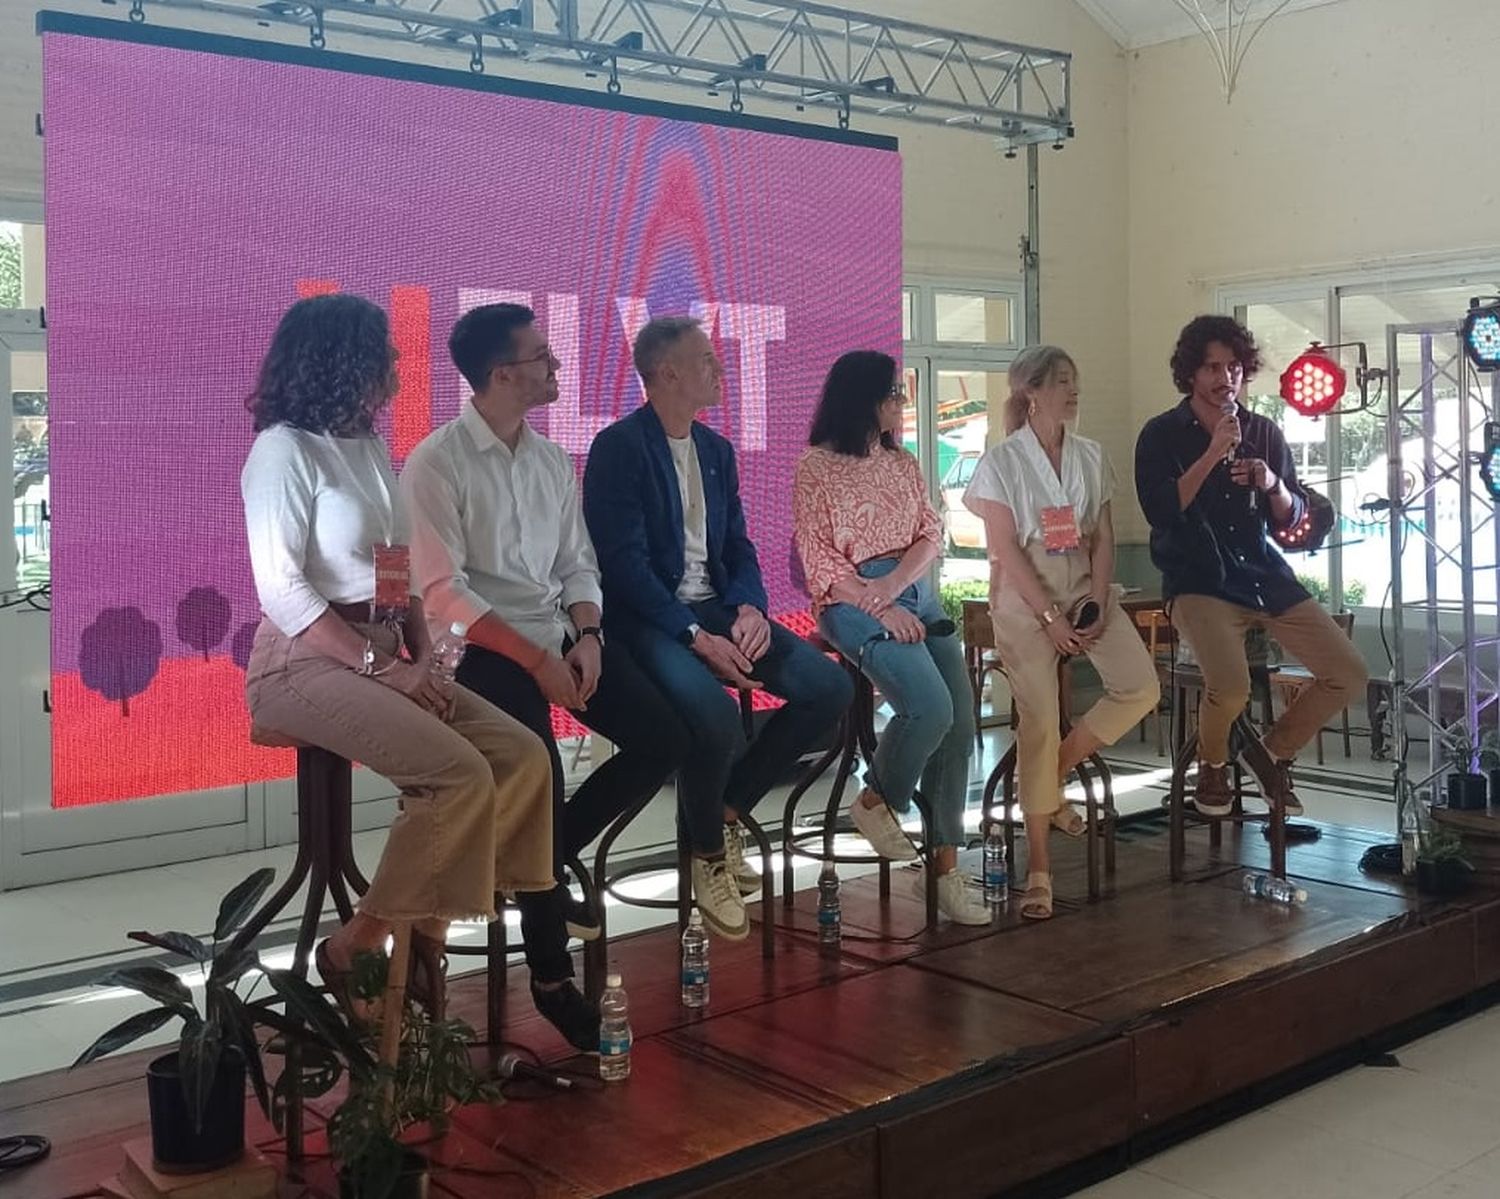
column 580, row 919
column 566, row 1009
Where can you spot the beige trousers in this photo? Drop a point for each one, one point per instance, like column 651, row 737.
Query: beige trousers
column 476, row 792
column 1216, row 630
column 1030, row 659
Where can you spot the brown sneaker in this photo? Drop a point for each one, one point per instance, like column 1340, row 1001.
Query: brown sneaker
column 1213, row 795
column 1274, row 776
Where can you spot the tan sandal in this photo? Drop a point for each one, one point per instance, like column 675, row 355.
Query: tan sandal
column 1067, row 820
column 1036, row 903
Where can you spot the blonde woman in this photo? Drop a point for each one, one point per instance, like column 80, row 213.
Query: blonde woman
column 1044, row 495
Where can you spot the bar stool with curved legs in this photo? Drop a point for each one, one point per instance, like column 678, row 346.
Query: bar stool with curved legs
column 1100, row 816
column 595, row 953
column 856, row 739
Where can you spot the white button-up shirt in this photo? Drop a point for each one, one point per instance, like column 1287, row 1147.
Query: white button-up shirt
column 498, row 530
column 1018, row 474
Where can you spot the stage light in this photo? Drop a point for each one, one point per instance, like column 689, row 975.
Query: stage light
column 1481, row 334
column 1489, row 463
column 1314, row 383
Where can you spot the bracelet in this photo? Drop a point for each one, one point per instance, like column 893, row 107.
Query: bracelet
column 1050, row 615
column 366, row 665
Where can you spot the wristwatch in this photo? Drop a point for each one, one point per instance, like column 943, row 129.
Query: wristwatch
column 1049, row 615
column 689, row 635
column 593, row 631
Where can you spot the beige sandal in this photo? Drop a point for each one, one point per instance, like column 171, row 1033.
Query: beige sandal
column 1036, row 904
column 1066, row 819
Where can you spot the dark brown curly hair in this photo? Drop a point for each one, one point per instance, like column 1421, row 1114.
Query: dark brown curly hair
column 1193, row 343
column 329, row 368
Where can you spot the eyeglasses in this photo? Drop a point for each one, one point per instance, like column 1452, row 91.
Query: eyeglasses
column 897, row 392
column 545, row 354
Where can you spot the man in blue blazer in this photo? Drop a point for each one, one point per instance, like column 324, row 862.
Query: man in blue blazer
column 682, row 586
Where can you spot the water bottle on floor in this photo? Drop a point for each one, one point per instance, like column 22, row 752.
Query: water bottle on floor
column 448, row 652
column 695, row 962
column 995, row 873
column 1277, row 890
column 614, row 1031
column 830, row 919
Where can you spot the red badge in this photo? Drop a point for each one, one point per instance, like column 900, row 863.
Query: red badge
column 1059, row 529
column 392, row 579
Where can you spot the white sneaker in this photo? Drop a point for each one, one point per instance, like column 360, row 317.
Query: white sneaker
column 745, row 878
column 956, row 900
column 878, row 826
column 719, row 899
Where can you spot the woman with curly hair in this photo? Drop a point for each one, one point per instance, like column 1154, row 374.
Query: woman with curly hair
column 1218, row 484
column 1044, row 494
column 867, row 534
column 331, row 668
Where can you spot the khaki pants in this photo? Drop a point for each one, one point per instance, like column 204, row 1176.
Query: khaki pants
column 1029, row 658
column 476, row 792
column 1216, row 630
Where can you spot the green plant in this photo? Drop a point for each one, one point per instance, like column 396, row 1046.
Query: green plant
column 1464, row 751
column 1354, row 593
column 1438, row 843
column 227, row 1019
column 952, row 596
column 432, row 1074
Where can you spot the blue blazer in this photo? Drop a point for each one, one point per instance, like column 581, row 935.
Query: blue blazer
column 633, row 508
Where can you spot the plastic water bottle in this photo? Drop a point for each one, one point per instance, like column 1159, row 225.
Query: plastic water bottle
column 1409, row 837
column 830, row 919
column 448, row 652
column 1277, row 890
column 614, row 1031
column 695, row 962
column 995, row 871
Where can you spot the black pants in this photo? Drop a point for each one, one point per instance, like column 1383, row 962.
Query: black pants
column 650, row 741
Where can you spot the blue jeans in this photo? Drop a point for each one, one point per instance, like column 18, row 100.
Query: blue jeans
column 931, row 734
column 719, row 769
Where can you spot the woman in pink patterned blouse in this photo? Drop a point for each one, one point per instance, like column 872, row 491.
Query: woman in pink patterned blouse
column 867, row 533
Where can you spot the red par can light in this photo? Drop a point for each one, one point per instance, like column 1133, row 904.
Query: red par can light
column 1314, row 383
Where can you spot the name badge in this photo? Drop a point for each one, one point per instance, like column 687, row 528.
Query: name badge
column 392, row 582
column 1060, row 529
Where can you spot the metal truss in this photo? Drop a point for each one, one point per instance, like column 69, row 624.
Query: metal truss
column 1443, row 521
column 804, row 54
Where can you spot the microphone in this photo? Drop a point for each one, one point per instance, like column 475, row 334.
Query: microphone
column 512, row 1066
column 942, row 627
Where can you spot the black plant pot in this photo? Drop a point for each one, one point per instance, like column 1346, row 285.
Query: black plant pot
column 175, row 1147
column 1447, row 877
column 411, row 1180
column 1467, row 792
column 1495, row 786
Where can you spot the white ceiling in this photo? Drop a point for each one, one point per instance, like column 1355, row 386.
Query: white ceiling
column 1137, row 23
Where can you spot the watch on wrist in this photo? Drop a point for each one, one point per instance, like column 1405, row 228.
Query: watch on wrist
column 593, row 631
column 367, row 659
column 1049, row 614
column 690, row 634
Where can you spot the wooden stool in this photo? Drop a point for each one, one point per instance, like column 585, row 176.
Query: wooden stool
column 595, row 955
column 1100, row 816
column 856, row 739
column 1240, row 734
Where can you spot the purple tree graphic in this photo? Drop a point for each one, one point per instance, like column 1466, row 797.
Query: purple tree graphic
column 244, row 641
column 119, row 654
column 203, row 619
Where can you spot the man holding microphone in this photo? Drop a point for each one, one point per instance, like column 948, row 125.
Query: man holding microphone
column 1217, row 483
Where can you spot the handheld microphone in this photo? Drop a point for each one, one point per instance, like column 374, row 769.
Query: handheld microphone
column 942, row 627
column 512, row 1066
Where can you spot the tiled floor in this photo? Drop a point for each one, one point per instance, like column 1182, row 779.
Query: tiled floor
column 1425, row 1129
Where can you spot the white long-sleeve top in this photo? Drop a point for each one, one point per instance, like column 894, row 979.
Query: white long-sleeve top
column 316, row 505
column 498, row 530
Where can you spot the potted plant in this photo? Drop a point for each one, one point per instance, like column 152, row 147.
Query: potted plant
column 1466, row 787
column 197, row 1092
column 1442, row 868
column 432, row 1074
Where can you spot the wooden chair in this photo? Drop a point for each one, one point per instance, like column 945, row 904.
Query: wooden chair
column 1290, row 682
column 980, row 655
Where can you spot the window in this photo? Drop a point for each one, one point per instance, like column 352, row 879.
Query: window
column 22, row 267
column 28, row 405
column 973, row 318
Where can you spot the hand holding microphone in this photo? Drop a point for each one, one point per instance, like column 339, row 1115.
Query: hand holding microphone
column 908, row 629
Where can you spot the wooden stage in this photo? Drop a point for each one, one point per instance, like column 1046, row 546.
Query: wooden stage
column 958, row 1063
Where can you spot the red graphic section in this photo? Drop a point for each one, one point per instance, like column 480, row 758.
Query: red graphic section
column 411, row 321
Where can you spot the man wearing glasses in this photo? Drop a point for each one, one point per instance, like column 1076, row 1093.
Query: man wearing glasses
column 683, row 587
column 499, row 546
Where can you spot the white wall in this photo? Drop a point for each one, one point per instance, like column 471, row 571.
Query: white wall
column 1360, row 138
